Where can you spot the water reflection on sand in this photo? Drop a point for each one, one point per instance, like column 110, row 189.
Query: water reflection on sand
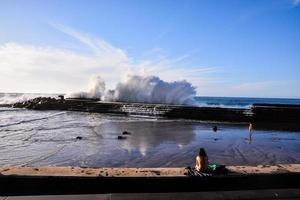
column 147, row 135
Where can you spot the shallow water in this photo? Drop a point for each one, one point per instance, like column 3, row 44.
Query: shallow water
column 38, row 138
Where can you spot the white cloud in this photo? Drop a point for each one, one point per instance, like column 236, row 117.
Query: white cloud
column 104, row 50
column 30, row 68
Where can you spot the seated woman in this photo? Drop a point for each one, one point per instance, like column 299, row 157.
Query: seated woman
column 202, row 161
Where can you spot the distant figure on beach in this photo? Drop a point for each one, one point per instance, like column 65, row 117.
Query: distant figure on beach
column 250, row 127
column 250, row 137
column 202, row 161
column 250, row 133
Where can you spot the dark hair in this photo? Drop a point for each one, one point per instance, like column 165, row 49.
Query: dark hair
column 202, row 152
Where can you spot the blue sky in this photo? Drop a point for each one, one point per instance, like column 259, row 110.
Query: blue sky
column 224, row 48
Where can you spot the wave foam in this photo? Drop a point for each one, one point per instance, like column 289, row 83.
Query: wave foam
column 139, row 89
column 11, row 98
column 152, row 89
column 96, row 89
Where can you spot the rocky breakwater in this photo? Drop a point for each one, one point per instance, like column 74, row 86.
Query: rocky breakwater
column 170, row 111
column 269, row 116
column 39, row 103
column 210, row 113
column 83, row 105
column 276, row 113
column 279, row 116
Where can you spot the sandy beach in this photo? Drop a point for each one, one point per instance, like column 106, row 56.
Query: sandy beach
column 139, row 172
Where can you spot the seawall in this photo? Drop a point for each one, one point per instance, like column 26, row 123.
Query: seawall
column 76, row 180
column 275, row 116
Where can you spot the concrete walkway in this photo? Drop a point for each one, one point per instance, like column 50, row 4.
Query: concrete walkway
column 243, row 195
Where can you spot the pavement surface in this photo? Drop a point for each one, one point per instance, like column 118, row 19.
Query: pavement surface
column 228, row 195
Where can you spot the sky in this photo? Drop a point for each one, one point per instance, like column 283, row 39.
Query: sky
column 247, row 48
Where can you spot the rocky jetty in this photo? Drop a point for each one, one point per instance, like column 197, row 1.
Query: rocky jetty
column 262, row 115
column 276, row 113
column 39, row 103
column 170, row 111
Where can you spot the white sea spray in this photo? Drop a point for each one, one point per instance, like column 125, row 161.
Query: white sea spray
column 141, row 89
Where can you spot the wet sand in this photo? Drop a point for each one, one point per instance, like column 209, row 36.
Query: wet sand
column 49, row 138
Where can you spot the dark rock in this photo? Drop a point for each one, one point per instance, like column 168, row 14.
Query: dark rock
column 126, row 133
column 78, row 138
column 39, row 103
column 215, row 128
column 61, row 97
column 120, row 137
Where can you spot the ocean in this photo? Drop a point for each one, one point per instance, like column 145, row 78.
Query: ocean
column 66, row 138
column 242, row 102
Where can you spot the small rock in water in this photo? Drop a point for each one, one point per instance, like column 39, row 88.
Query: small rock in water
column 126, row 133
column 215, row 128
column 120, row 137
column 78, row 138
column 61, row 97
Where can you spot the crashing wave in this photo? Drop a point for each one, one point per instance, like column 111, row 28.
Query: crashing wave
column 11, row 98
column 96, row 90
column 152, row 89
column 139, row 89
